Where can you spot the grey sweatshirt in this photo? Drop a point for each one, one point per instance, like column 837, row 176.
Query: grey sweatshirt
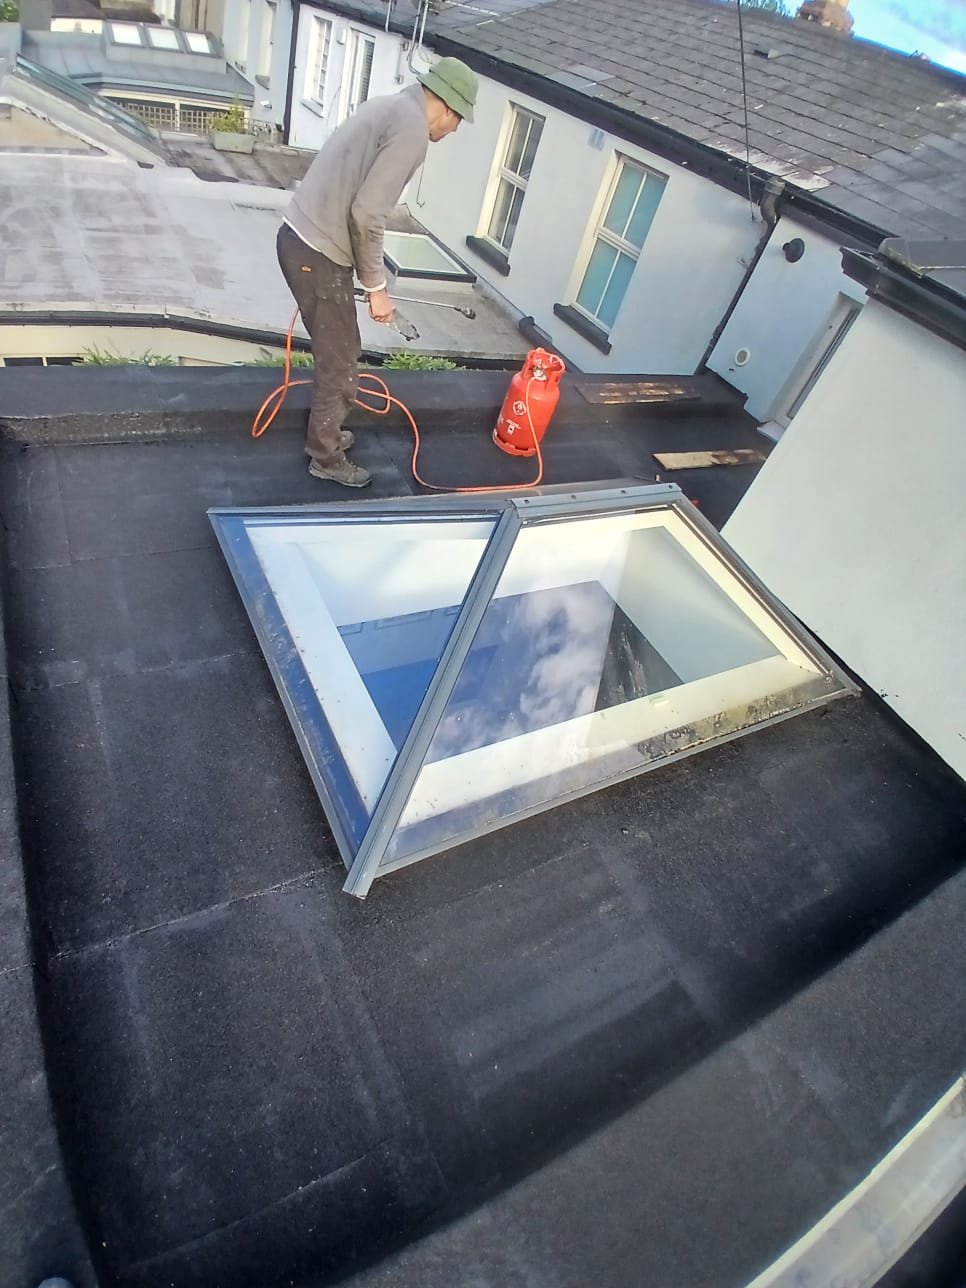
column 357, row 177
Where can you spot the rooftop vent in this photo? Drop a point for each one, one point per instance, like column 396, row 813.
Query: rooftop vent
column 452, row 665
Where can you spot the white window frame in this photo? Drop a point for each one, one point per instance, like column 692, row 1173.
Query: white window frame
column 598, row 232
column 244, row 34
column 504, row 176
column 266, row 39
column 320, row 50
column 353, row 73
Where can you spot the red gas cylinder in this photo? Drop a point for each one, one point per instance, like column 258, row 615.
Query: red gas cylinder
column 529, row 404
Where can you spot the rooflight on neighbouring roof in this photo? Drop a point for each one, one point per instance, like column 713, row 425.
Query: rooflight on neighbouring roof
column 197, row 42
column 453, row 665
column 419, row 255
column 162, row 38
column 126, row 33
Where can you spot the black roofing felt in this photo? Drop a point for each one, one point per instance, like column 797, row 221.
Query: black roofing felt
column 879, row 135
column 260, row 1081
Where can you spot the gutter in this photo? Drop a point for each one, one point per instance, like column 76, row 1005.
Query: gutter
column 932, row 305
column 726, row 171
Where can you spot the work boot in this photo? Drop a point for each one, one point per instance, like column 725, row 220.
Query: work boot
column 343, row 472
column 346, row 439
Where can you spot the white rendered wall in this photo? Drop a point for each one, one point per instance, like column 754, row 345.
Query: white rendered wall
column 689, row 269
column 243, row 43
column 782, row 318
column 856, row 520
column 310, row 124
column 692, row 262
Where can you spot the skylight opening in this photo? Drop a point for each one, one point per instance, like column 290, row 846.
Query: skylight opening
column 418, row 255
column 198, row 42
column 162, row 38
column 452, row 667
column 126, row 33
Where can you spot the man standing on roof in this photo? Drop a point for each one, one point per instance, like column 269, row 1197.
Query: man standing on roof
column 335, row 223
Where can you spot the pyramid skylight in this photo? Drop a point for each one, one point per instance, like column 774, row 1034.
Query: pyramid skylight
column 453, row 664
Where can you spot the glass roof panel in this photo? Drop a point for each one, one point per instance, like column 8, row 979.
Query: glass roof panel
column 354, row 617
column 162, row 37
column 610, row 644
column 126, row 33
column 197, row 42
column 419, row 255
column 451, row 665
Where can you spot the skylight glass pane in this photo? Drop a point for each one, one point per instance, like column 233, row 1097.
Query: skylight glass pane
column 611, row 643
column 450, row 664
column 198, row 42
column 354, row 616
column 126, row 33
column 162, row 38
column 417, row 255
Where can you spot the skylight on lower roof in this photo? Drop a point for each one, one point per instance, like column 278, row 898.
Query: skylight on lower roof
column 419, row 255
column 125, row 33
column 452, row 666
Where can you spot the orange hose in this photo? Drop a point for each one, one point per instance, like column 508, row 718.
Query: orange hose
column 273, row 405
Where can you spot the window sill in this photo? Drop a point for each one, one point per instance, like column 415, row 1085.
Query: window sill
column 310, row 105
column 592, row 333
column 490, row 254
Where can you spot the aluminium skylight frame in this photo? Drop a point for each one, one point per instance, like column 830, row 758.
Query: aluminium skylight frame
column 511, row 513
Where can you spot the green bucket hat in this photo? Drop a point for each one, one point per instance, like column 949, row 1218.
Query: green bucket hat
column 453, row 82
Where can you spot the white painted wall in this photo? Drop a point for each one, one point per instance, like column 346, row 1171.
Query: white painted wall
column 689, row 269
column 310, row 124
column 856, row 520
column 247, row 24
column 782, row 319
column 691, row 264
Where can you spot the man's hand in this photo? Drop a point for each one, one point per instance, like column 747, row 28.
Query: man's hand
column 380, row 306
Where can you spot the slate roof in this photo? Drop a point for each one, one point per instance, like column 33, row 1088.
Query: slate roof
column 878, row 134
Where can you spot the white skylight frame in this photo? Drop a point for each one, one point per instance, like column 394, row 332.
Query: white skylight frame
column 420, row 255
column 416, row 788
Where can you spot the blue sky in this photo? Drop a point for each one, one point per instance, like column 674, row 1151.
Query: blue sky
column 936, row 28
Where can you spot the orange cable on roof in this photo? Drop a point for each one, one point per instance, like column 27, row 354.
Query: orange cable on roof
column 273, row 405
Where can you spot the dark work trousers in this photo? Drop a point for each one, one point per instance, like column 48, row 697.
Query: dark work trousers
column 323, row 292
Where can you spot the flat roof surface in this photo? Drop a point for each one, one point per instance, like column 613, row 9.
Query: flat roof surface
column 188, row 248
column 646, row 1037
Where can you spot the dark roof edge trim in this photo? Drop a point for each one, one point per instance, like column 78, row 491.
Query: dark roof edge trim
column 167, row 321
column 224, row 330
column 922, row 300
column 700, row 158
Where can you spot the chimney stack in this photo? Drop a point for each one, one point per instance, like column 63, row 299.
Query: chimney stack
column 828, row 13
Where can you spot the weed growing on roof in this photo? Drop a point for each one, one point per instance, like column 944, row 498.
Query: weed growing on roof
column 419, row 362
column 278, row 360
column 232, row 121
column 94, row 357
column 9, row 11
